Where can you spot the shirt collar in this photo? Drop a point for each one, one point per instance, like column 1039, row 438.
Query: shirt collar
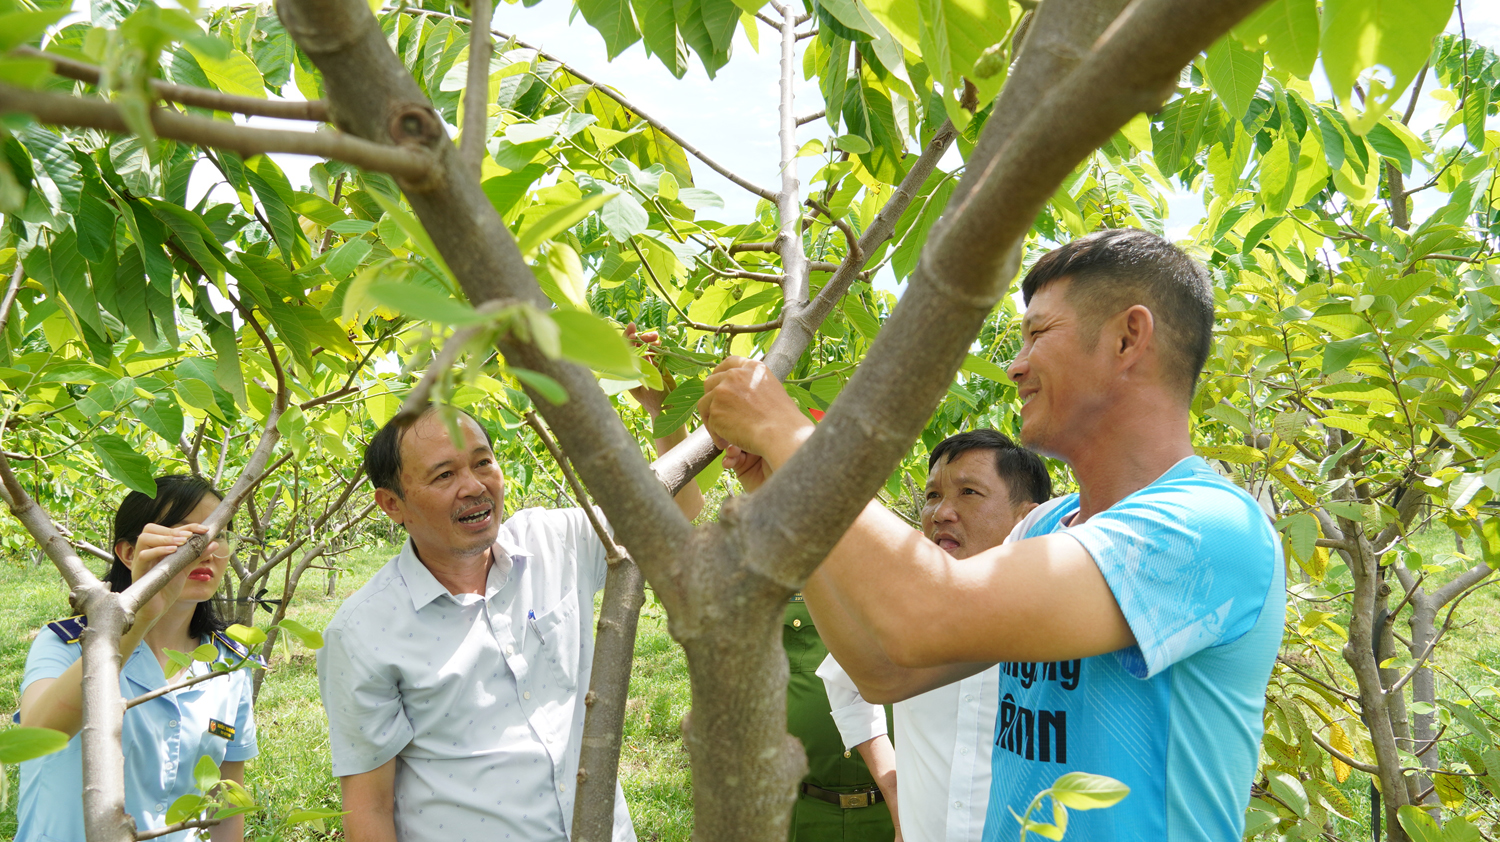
column 424, row 587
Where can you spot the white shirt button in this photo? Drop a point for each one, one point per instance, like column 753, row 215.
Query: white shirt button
column 510, row 650
column 958, row 803
column 172, row 723
column 562, row 787
column 964, row 750
column 160, row 807
column 526, row 695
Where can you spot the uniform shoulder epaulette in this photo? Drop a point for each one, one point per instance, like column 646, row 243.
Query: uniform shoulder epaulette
column 237, row 648
column 70, row 629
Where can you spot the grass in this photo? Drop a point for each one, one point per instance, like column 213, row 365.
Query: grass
column 294, row 768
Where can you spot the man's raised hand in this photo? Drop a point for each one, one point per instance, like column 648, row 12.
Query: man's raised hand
column 750, row 416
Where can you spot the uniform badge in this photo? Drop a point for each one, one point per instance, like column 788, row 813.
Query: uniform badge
column 221, row 729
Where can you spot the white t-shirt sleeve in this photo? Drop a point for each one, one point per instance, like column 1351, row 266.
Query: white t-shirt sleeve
column 858, row 721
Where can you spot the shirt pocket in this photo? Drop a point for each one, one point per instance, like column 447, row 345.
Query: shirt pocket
column 558, row 654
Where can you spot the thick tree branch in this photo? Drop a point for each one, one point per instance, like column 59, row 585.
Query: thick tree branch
column 314, row 110
column 788, row 200
column 64, row 110
column 477, row 95
column 373, row 96
column 967, row 265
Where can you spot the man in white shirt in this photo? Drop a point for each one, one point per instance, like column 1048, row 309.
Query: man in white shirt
column 451, row 679
column 980, row 484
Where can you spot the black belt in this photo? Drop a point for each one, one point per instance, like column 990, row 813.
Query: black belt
column 845, row 800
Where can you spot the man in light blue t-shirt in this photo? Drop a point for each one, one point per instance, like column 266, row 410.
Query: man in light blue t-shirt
column 1136, row 622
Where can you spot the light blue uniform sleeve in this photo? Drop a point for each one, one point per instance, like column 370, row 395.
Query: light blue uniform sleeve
column 244, row 745
column 367, row 723
column 1186, row 559
column 49, row 657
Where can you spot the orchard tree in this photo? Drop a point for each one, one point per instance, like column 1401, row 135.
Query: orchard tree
column 502, row 267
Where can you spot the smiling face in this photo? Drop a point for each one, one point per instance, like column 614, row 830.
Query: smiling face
column 1061, row 373
column 969, row 508
column 452, row 491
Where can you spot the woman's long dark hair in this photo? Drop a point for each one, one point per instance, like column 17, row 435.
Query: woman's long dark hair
column 176, row 497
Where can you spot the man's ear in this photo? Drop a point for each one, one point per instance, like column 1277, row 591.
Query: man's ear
column 1024, row 509
column 391, row 504
column 1135, row 332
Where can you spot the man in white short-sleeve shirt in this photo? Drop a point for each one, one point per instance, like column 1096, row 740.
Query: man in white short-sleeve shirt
column 979, row 485
column 451, row 679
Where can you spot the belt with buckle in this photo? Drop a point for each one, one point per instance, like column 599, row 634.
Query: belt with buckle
column 845, row 800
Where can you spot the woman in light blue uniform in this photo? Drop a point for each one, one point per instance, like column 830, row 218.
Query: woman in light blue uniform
column 164, row 737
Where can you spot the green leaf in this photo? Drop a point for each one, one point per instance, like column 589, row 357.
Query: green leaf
column 185, row 807
column 343, row 260
column 205, row 773
column 613, row 20
column 624, row 216
column 200, row 395
column 125, row 464
column 300, row 816
column 16, row 28
column 541, row 383
column 677, row 408
column 207, row 653
column 1234, row 73
column 1394, row 34
column 504, row 191
column 1302, row 534
column 1290, row 791
column 986, row 369
column 558, row 221
column 852, row 143
column 589, row 340
column 420, row 301
column 699, row 199
column 1083, row 791
column 306, row 636
column 1418, row 825
column 246, row 635
column 275, row 195
column 179, row 660
column 658, row 22
column 235, row 73
column 1469, row 718
column 18, row 744
column 1338, row 354
column 1476, row 107
column 1288, row 31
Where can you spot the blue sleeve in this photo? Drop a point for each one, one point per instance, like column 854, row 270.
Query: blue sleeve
column 1190, row 562
column 244, row 746
column 367, row 723
column 49, row 657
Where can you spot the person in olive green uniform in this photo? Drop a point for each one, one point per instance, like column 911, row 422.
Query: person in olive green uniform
column 832, row 771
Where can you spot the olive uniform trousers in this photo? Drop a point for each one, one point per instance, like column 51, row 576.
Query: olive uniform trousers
column 829, row 765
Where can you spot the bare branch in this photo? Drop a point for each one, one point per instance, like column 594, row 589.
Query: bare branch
column 176, row 828
column 63, row 110
column 16, row 280
column 314, row 110
column 788, row 203
column 477, row 96
column 173, row 687
column 1468, row 579
column 1352, row 762
column 850, row 238
column 613, row 551
column 816, row 115
column 771, row 247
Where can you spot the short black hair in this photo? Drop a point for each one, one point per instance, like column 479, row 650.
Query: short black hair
column 1119, row 268
column 176, row 497
column 383, row 454
column 1023, row 471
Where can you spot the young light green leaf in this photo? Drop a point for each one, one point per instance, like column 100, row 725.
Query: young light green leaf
column 1084, row 791
column 18, row 744
column 1290, row 791
column 247, row 635
column 185, row 807
column 420, row 301
column 984, row 368
column 1288, row 31
column 558, row 221
column 179, row 661
column 853, row 144
column 306, row 636
column 207, row 653
column 1234, row 73
column 205, row 773
column 300, row 816
column 589, row 340
column 1418, row 825
column 544, row 385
